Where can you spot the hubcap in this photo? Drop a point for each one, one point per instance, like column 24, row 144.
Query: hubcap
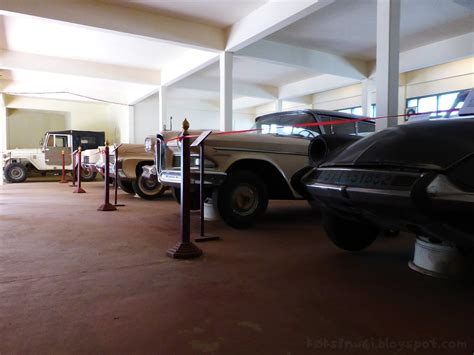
column 150, row 186
column 244, row 199
column 86, row 173
column 16, row 173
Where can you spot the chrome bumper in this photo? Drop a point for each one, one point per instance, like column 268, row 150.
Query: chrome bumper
column 173, row 178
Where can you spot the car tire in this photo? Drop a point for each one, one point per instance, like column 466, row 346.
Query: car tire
column 15, row 172
column 195, row 198
column 126, row 186
column 148, row 189
column 347, row 234
column 241, row 199
column 88, row 175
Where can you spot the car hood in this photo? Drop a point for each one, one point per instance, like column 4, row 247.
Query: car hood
column 433, row 145
column 250, row 141
column 19, row 152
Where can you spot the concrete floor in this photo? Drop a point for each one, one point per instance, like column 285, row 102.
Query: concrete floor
column 75, row 280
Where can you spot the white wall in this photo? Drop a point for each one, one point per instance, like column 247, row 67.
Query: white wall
column 451, row 76
column 27, row 127
column 146, row 115
column 112, row 119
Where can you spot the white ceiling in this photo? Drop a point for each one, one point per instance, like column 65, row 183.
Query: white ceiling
column 56, row 39
column 223, row 14
column 253, row 71
column 348, row 27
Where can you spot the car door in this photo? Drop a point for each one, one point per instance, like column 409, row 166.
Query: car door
column 56, row 144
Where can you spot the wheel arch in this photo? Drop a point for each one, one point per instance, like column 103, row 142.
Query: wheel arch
column 275, row 181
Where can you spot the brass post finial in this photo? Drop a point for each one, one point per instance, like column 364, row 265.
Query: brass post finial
column 185, row 126
column 79, row 149
column 107, row 142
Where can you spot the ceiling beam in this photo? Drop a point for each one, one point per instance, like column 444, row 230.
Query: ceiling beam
column 308, row 59
column 120, row 19
column 239, row 88
column 186, row 65
column 11, row 60
column 441, row 52
column 314, row 85
column 272, row 16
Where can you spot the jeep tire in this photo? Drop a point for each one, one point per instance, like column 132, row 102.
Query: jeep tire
column 347, row 234
column 15, row 172
column 241, row 199
column 148, row 189
column 87, row 174
column 126, row 186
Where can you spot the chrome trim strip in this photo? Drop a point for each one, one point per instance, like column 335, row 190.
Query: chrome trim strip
column 258, row 151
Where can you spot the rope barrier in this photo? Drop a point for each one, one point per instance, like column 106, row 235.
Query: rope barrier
column 314, row 124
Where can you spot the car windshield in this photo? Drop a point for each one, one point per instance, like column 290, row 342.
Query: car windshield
column 284, row 125
column 294, row 124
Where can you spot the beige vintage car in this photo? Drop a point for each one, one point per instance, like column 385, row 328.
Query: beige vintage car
column 244, row 171
column 131, row 160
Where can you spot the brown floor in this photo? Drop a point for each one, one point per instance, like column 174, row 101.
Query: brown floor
column 75, row 280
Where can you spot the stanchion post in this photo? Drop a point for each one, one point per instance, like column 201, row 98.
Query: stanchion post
column 79, row 189
column 63, row 172
column 107, row 206
column 200, row 141
column 116, row 150
column 185, row 249
column 73, row 169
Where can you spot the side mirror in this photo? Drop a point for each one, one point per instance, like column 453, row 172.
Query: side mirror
column 41, row 141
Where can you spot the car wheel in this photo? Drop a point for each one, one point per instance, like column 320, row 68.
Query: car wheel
column 195, row 198
column 349, row 235
column 126, row 186
column 88, row 175
column 148, row 189
column 242, row 199
column 15, row 172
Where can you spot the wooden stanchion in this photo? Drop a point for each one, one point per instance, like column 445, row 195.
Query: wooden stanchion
column 79, row 189
column 185, row 249
column 116, row 150
column 73, row 169
column 63, row 172
column 107, row 206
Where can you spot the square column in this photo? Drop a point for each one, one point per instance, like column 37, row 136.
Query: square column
column 367, row 86
column 131, row 124
column 278, row 105
column 388, row 51
column 163, row 108
column 3, row 134
column 225, row 65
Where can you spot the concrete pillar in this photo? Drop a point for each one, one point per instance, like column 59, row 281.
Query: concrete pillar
column 131, row 124
column 367, row 86
column 278, row 105
column 388, row 50
column 3, row 133
column 225, row 64
column 163, row 108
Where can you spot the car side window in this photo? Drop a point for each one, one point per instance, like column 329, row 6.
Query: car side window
column 61, row 141
column 50, row 141
column 287, row 125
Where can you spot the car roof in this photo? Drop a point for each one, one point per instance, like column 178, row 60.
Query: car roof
column 313, row 112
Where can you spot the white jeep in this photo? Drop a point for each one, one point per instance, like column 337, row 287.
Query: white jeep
column 48, row 158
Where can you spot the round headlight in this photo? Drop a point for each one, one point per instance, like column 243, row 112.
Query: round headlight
column 148, row 145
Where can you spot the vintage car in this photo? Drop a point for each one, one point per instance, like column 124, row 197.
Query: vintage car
column 417, row 177
column 131, row 159
column 243, row 171
column 48, row 158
